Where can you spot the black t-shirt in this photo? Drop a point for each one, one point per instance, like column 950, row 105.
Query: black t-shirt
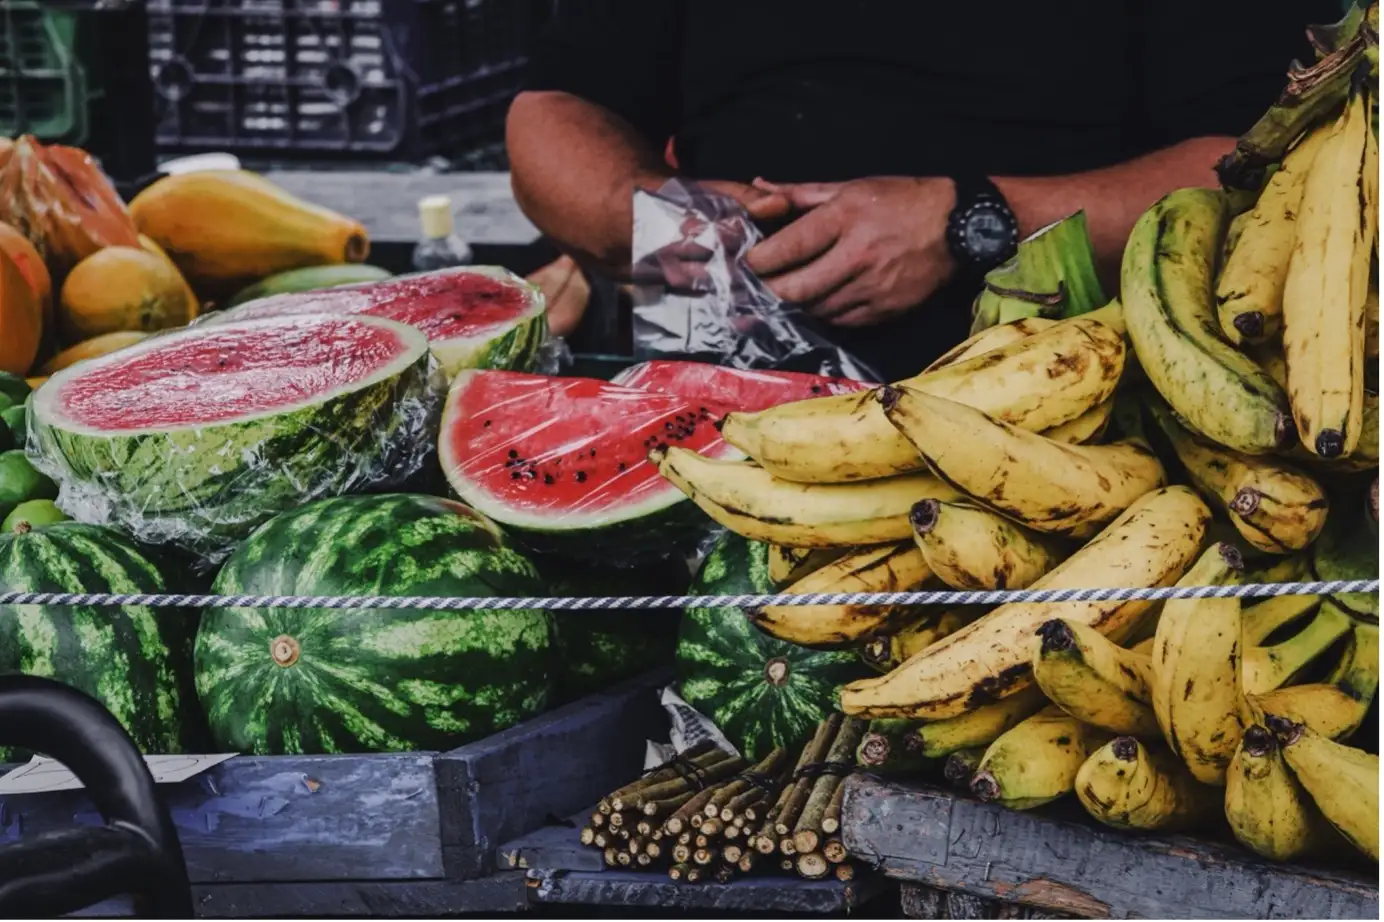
column 814, row 91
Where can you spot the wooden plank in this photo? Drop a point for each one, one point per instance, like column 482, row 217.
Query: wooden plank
column 524, row 778
column 748, row 894
column 260, row 819
column 386, row 202
column 930, row 836
column 554, row 846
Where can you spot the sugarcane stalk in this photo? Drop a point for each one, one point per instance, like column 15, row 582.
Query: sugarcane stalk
column 695, row 873
column 625, row 859
column 678, row 822
column 711, row 768
column 814, row 753
column 835, row 851
column 600, row 840
column 656, row 834
column 643, row 860
column 685, row 838
column 637, row 845
column 731, row 853
column 610, row 855
column 767, row 767
column 662, row 808
column 742, row 821
column 701, row 842
column 831, row 820
column 702, row 856
column 654, row 850
column 807, row 834
column 682, row 853
column 738, row 804
column 732, row 832
column 617, row 820
column 664, row 772
column 786, row 846
column 845, row 872
column 678, row 871
column 696, row 820
column 786, row 864
column 644, row 827
column 598, row 819
column 813, row 866
column 746, row 862
column 712, row 827
column 725, row 873
column 587, row 835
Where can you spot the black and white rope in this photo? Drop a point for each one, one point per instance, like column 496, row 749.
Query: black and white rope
column 937, row 597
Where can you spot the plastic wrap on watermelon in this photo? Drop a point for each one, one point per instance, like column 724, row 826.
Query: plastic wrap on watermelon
column 562, row 463
column 745, row 390
column 695, row 297
column 196, row 437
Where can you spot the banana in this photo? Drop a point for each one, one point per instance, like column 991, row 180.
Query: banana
column 890, row 568
column 969, row 547
column 890, row 747
column 787, row 565
column 1372, row 320
column 1094, row 680
column 1263, row 669
column 1036, row 761
column 1349, row 549
column 1249, row 292
column 1165, row 287
column 1151, row 544
column 1342, row 781
column 1336, row 707
column 1258, row 621
column 960, row 767
column 1274, row 507
column 990, row 339
column 1132, row 785
column 1087, row 428
column 1038, row 382
column 1269, row 812
column 1366, row 453
column 1071, row 490
column 888, row 652
column 1328, row 283
column 1196, row 669
column 979, row 727
column 755, row 504
column 1293, row 568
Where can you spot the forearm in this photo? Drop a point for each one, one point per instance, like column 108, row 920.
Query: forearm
column 574, row 166
column 1115, row 196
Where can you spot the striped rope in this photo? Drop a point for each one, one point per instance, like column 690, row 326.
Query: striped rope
column 939, row 597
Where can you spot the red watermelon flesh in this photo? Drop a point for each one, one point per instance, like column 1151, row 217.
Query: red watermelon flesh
column 734, row 388
column 564, row 461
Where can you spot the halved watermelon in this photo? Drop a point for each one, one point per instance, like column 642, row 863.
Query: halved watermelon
column 474, row 317
column 198, row 436
column 735, row 388
column 563, row 462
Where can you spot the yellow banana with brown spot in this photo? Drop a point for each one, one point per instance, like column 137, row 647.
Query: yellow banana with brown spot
column 1132, row 785
column 969, row 547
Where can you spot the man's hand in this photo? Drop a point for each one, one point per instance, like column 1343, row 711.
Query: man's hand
column 863, row 251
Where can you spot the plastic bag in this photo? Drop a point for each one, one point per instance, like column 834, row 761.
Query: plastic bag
column 198, row 436
column 746, row 390
column 694, row 297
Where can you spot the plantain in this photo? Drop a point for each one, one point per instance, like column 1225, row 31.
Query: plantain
column 1036, row 761
column 1327, row 284
column 1260, row 620
column 969, row 547
column 1038, row 382
column 1249, row 292
column 1263, row 668
column 1151, row 544
column 990, row 339
column 890, row 747
column 889, row 568
column 753, row 503
column 1071, row 490
column 888, row 651
column 1269, row 812
column 1132, row 785
column 1093, row 679
column 1087, row 428
column 960, row 767
column 1336, row 707
column 1274, row 507
column 1348, row 550
column 787, row 565
column 1366, row 454
column 1196, row 669
column 979, row 727
column 1165, row 288
column 1342, row 781
column 1291, row 568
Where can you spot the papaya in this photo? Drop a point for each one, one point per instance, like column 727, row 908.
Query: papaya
column 194, row 306
column 60, row 200
column 21, row 319
column 121, row 288
column 18, row 248
column 227, row 228
column 96, row 346
column 35, row 383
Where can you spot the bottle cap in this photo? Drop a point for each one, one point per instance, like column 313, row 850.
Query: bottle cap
column 435, row 214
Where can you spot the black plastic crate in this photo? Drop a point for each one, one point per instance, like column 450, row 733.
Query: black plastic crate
column 401, row 79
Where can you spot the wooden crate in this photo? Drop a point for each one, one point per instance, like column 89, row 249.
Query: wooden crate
column 1059, row 861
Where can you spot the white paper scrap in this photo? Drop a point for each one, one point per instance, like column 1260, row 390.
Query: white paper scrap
column 41, row 775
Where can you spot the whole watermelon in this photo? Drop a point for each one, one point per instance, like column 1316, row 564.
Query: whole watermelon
column 761, row 692
column 135, row 660
column 280, row 680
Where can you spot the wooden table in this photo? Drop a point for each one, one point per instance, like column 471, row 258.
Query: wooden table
column 1060, row 861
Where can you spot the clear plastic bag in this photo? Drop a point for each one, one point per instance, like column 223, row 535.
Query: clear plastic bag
column 694, row 296
column 196, row 437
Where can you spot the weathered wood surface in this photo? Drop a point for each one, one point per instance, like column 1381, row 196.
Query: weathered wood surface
column 932, row 837
column 386, row 202
column 920, row 902
column 553, row 846
column 654, row 889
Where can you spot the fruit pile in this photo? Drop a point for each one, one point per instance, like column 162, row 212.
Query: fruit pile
column 1216, row 424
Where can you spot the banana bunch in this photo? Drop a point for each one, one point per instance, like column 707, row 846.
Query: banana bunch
column 969, row 547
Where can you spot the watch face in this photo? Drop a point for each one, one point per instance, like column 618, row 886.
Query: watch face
column 988, row 234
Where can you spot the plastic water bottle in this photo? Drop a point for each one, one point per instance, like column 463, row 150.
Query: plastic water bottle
column 439, row 247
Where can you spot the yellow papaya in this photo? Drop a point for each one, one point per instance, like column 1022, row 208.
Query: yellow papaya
column 194, row 306
column 21, row 319
column 121, row 288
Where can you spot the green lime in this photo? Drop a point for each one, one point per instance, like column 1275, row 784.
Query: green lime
column 14, row 387
column 20, row 482
column 36, row 513
column 16, row 421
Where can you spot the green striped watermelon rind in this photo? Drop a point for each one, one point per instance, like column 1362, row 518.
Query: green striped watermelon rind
column 134, row 659
column 516, row 347
column 203, row 488
column 373, row 680
column 760, row 692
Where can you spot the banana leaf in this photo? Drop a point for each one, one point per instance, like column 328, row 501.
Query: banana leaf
column 1053, row 275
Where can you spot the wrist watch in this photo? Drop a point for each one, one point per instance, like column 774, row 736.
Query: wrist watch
column 982, row 231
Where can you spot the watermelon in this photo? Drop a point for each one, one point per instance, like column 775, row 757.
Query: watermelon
column 283, row 680
column 133, row 659
column 735, row 388
column 474, row 317
column 563, row 462
column 198, row 436
column 761, row 692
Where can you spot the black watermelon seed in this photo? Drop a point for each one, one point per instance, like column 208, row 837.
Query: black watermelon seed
column 667, row 425
column 548, row 478
column 621, row 466
column 581, row 476
column 515, row 475
column 513, row 453
column 486, row 424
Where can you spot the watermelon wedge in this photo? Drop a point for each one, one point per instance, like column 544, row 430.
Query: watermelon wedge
column 474, row 317
column 563, row 463
column 198, row 436
column 737, row 389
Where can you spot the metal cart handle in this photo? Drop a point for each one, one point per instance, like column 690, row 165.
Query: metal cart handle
column 137, row 851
